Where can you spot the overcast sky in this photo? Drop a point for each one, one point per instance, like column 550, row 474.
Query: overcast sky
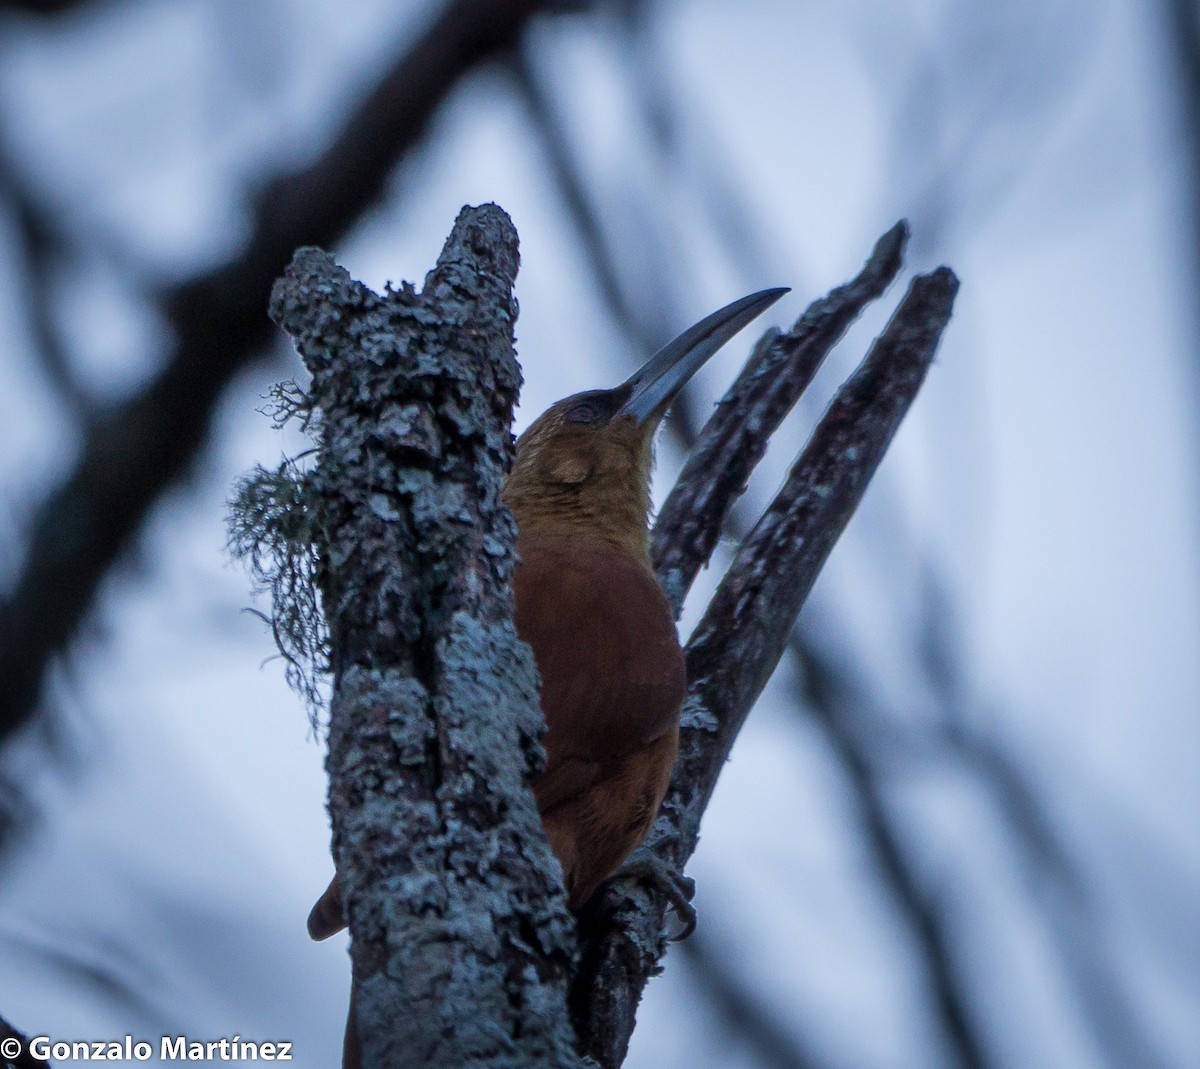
column 1048, row 469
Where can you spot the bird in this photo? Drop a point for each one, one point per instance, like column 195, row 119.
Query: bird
column 587, row 602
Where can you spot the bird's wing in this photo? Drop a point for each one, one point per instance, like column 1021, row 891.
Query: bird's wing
column 565, row 778
column 611, row 668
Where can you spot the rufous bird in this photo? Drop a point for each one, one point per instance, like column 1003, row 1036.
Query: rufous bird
column 589, row 605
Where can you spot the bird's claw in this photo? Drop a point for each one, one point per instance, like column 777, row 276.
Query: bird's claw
column 678, row 889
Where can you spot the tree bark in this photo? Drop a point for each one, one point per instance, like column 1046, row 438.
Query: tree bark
column 461, row 939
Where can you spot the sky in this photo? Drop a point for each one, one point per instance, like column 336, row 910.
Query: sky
column 1048, row 469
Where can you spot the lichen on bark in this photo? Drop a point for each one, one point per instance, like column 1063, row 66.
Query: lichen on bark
column 461, row 940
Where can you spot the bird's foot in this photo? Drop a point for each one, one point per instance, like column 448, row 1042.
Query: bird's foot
column 648, row 867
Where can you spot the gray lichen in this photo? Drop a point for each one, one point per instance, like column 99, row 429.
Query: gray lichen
column 271, row 529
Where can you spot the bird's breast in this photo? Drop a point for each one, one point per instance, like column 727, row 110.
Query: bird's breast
column 612, row 672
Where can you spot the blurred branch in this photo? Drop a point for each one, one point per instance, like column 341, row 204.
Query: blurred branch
column 1069, row 914
column 858, row 730
column 1184, row 16
column 38, row 247
column 939, row 654
column 45, row 7
column 137, row 450
column 742, row 1008
column 1120, row 1034
column 682, row 139
column 828, row 694
column 741, row 637
column 24, row 1060
column 80, row 966
column 1183, row 28
column 645, row 328
column 986, row 82
column 566, row 172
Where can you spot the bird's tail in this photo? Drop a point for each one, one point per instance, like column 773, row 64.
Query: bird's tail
column 326, row 917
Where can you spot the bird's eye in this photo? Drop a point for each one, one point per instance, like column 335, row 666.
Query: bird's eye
column 584, row 412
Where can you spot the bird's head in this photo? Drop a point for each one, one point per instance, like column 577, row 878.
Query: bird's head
column 583, row 466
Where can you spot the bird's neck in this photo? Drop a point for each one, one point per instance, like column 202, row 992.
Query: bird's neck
column 570, row 513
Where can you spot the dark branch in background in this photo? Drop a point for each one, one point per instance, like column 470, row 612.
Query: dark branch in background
column 461, row 938
column 136, row 451
column 941, row 91
column 644, row 328
column 567, row 177
column 1184, row 24
column 24, row 1060
column 38, row 249
column 824, row 691
column 1183, row 28
column 1053, row 880
column 680, row 133
column 742, row 635
column 1070, row 918
column 742, row 1010
column 962, row 104
column 47, row 7
column 943, row 124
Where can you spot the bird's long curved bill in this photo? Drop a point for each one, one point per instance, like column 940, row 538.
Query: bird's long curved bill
column 657, row 382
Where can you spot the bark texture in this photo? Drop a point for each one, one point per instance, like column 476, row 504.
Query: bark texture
column 461, row 940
